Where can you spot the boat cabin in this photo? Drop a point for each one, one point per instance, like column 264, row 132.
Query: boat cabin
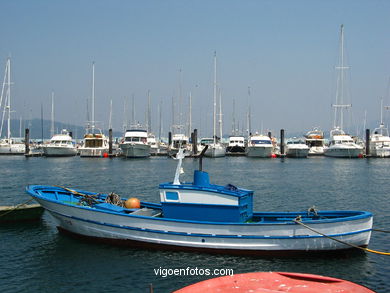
column 202, row 201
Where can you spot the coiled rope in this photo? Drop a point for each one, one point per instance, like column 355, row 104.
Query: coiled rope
column 298, row 221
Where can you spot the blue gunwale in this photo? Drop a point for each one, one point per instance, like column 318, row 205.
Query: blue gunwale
column 341, row 216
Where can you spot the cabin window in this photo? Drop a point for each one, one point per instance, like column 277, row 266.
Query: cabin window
column 171, row 195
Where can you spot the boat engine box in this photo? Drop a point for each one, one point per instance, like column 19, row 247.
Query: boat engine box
column 202, row 201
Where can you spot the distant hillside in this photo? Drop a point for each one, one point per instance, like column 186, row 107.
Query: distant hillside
column 35, row 127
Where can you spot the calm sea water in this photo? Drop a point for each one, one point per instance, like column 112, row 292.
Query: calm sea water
column 34, row 257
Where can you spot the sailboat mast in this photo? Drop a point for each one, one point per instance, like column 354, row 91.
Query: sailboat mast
column 234, row 118
column 220, row 114
column 52, row 114
column 342, row 75
column 2, row 96
column 190, row 115
column 9, row 100
column 93, row 97
column 215, row 96
column 149, row 113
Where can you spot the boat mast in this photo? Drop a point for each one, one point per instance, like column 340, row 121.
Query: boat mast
column 220, row 114
column 215, row 96
column 340, row 84
column 190, row 115
column 52, row 114
column 93, row 97
column 9, row 100
column 1, row 97
column 149, row 114
column 234, row 118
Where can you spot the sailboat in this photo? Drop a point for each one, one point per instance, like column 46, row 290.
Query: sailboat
column 215, row 149
column 9, row 145
column 380, row 139
column 341, row 144
column 95, row 143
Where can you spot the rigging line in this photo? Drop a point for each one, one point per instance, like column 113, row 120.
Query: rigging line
column 297, row 220
column 16, row 207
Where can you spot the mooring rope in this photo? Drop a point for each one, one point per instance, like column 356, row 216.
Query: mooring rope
column 379, row 230
column 298, row 221
column 16, row 207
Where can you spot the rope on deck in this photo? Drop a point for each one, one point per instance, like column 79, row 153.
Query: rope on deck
column 16, row 207
column 298, row 221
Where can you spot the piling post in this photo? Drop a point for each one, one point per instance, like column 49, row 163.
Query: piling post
column 195, row 142
column 269, row 134
column 27, row 141
column 71, row 134
column 110, row 142
column 367, row 142
column 282, row 142
column 169, row 139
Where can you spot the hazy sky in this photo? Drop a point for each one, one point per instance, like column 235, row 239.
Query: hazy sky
column 286, row 51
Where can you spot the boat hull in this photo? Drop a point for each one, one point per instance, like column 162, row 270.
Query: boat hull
column 343, row 152
column 258, row 152
column 59, row 151
column 254, row 238
column 380, row 152
column 12, row 149
column 93, row 152
column 297, row 152
column 135, row 150
column 215, row 152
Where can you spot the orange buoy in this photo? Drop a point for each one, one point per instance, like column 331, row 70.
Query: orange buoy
column 273, row 156
column 275, row 282
column 105, row 155
column 360, row 156
column 132, row 203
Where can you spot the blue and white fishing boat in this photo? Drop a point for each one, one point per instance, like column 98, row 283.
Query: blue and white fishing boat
column 200, row 216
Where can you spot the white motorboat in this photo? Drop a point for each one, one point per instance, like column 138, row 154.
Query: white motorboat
column 315, row 141
column 61, row 145
column 259, row 146
column 152, row 141
column 94, row 145
column 342, row 145
column 236, row 145
column 179, row 140
column 135, row 144
column 296, row 148
column 380, row 142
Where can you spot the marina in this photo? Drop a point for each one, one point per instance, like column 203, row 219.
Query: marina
column 278, row 185
column 132, row 159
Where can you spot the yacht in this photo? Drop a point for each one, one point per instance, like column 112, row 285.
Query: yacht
column 380, row 142
column 315, row 141
column 342, row 145
column 152, row 141
column 179, row 141
column 236, row 145
column 135, row 144
column 296, row 148
column 12, row 146
column 259, row 146
column 61, row 145
column 94, row 145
